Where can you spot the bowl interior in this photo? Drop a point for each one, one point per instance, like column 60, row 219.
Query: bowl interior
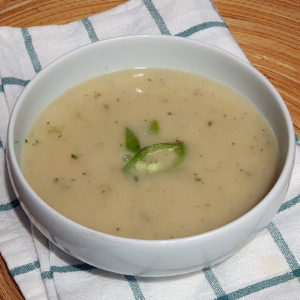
column 149, row 51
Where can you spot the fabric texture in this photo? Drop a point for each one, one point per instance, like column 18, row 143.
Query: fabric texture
column 266, row 268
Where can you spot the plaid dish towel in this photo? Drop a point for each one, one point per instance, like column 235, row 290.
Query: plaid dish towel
column 266, row 268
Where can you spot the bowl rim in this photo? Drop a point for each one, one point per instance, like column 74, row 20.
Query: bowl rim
column 283, row 176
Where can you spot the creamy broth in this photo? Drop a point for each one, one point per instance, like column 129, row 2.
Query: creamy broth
column 74, row 156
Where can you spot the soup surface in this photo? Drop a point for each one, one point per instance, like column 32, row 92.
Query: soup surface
column 151, row 154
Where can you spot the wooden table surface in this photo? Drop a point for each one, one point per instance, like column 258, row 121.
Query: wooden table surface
column 268, row 31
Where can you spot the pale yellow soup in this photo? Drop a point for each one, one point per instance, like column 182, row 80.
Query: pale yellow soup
column 74, row 156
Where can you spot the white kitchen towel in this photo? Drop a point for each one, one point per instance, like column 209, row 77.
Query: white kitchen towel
column 266, row 268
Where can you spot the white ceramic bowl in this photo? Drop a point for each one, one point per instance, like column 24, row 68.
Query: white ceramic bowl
column 142, row 257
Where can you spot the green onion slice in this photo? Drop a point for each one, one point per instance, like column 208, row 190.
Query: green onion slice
column 155, row 159
column 131, row 141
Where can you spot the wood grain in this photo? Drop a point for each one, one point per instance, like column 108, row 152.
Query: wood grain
column 268, row 31
column 9, row 290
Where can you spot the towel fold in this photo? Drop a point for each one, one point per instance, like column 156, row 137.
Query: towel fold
column 267, row 267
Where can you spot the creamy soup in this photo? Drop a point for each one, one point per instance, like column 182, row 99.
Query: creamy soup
column 151, row 154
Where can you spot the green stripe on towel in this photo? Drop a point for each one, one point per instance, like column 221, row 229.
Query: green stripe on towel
column 200, row 27
column 66, row 269
column 157, row 17
column 31, row 51
column 214, row 283
column 137, row 293
column 254, row 288
column 14, row 81
column 90, row 30
column 283, row 247
column 10, row 205
column 47, row 275
column 289, row 203
column 72, row 268
column 25, row 268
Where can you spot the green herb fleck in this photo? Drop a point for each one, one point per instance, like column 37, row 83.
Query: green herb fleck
column 74, row 156
column 55, row 130
column 154, row 127
column 36, row 142
column 196, row 92
column 26, row 141
column 83, row 173
column 149, row 79
column 79, row 115
column 48, row 123
column 118, row 99
column 131, row 141
column 118, row 229
column 170, row 113
column 210, row 123
column 136, row 178
column 232, row 143
column 56, row 179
